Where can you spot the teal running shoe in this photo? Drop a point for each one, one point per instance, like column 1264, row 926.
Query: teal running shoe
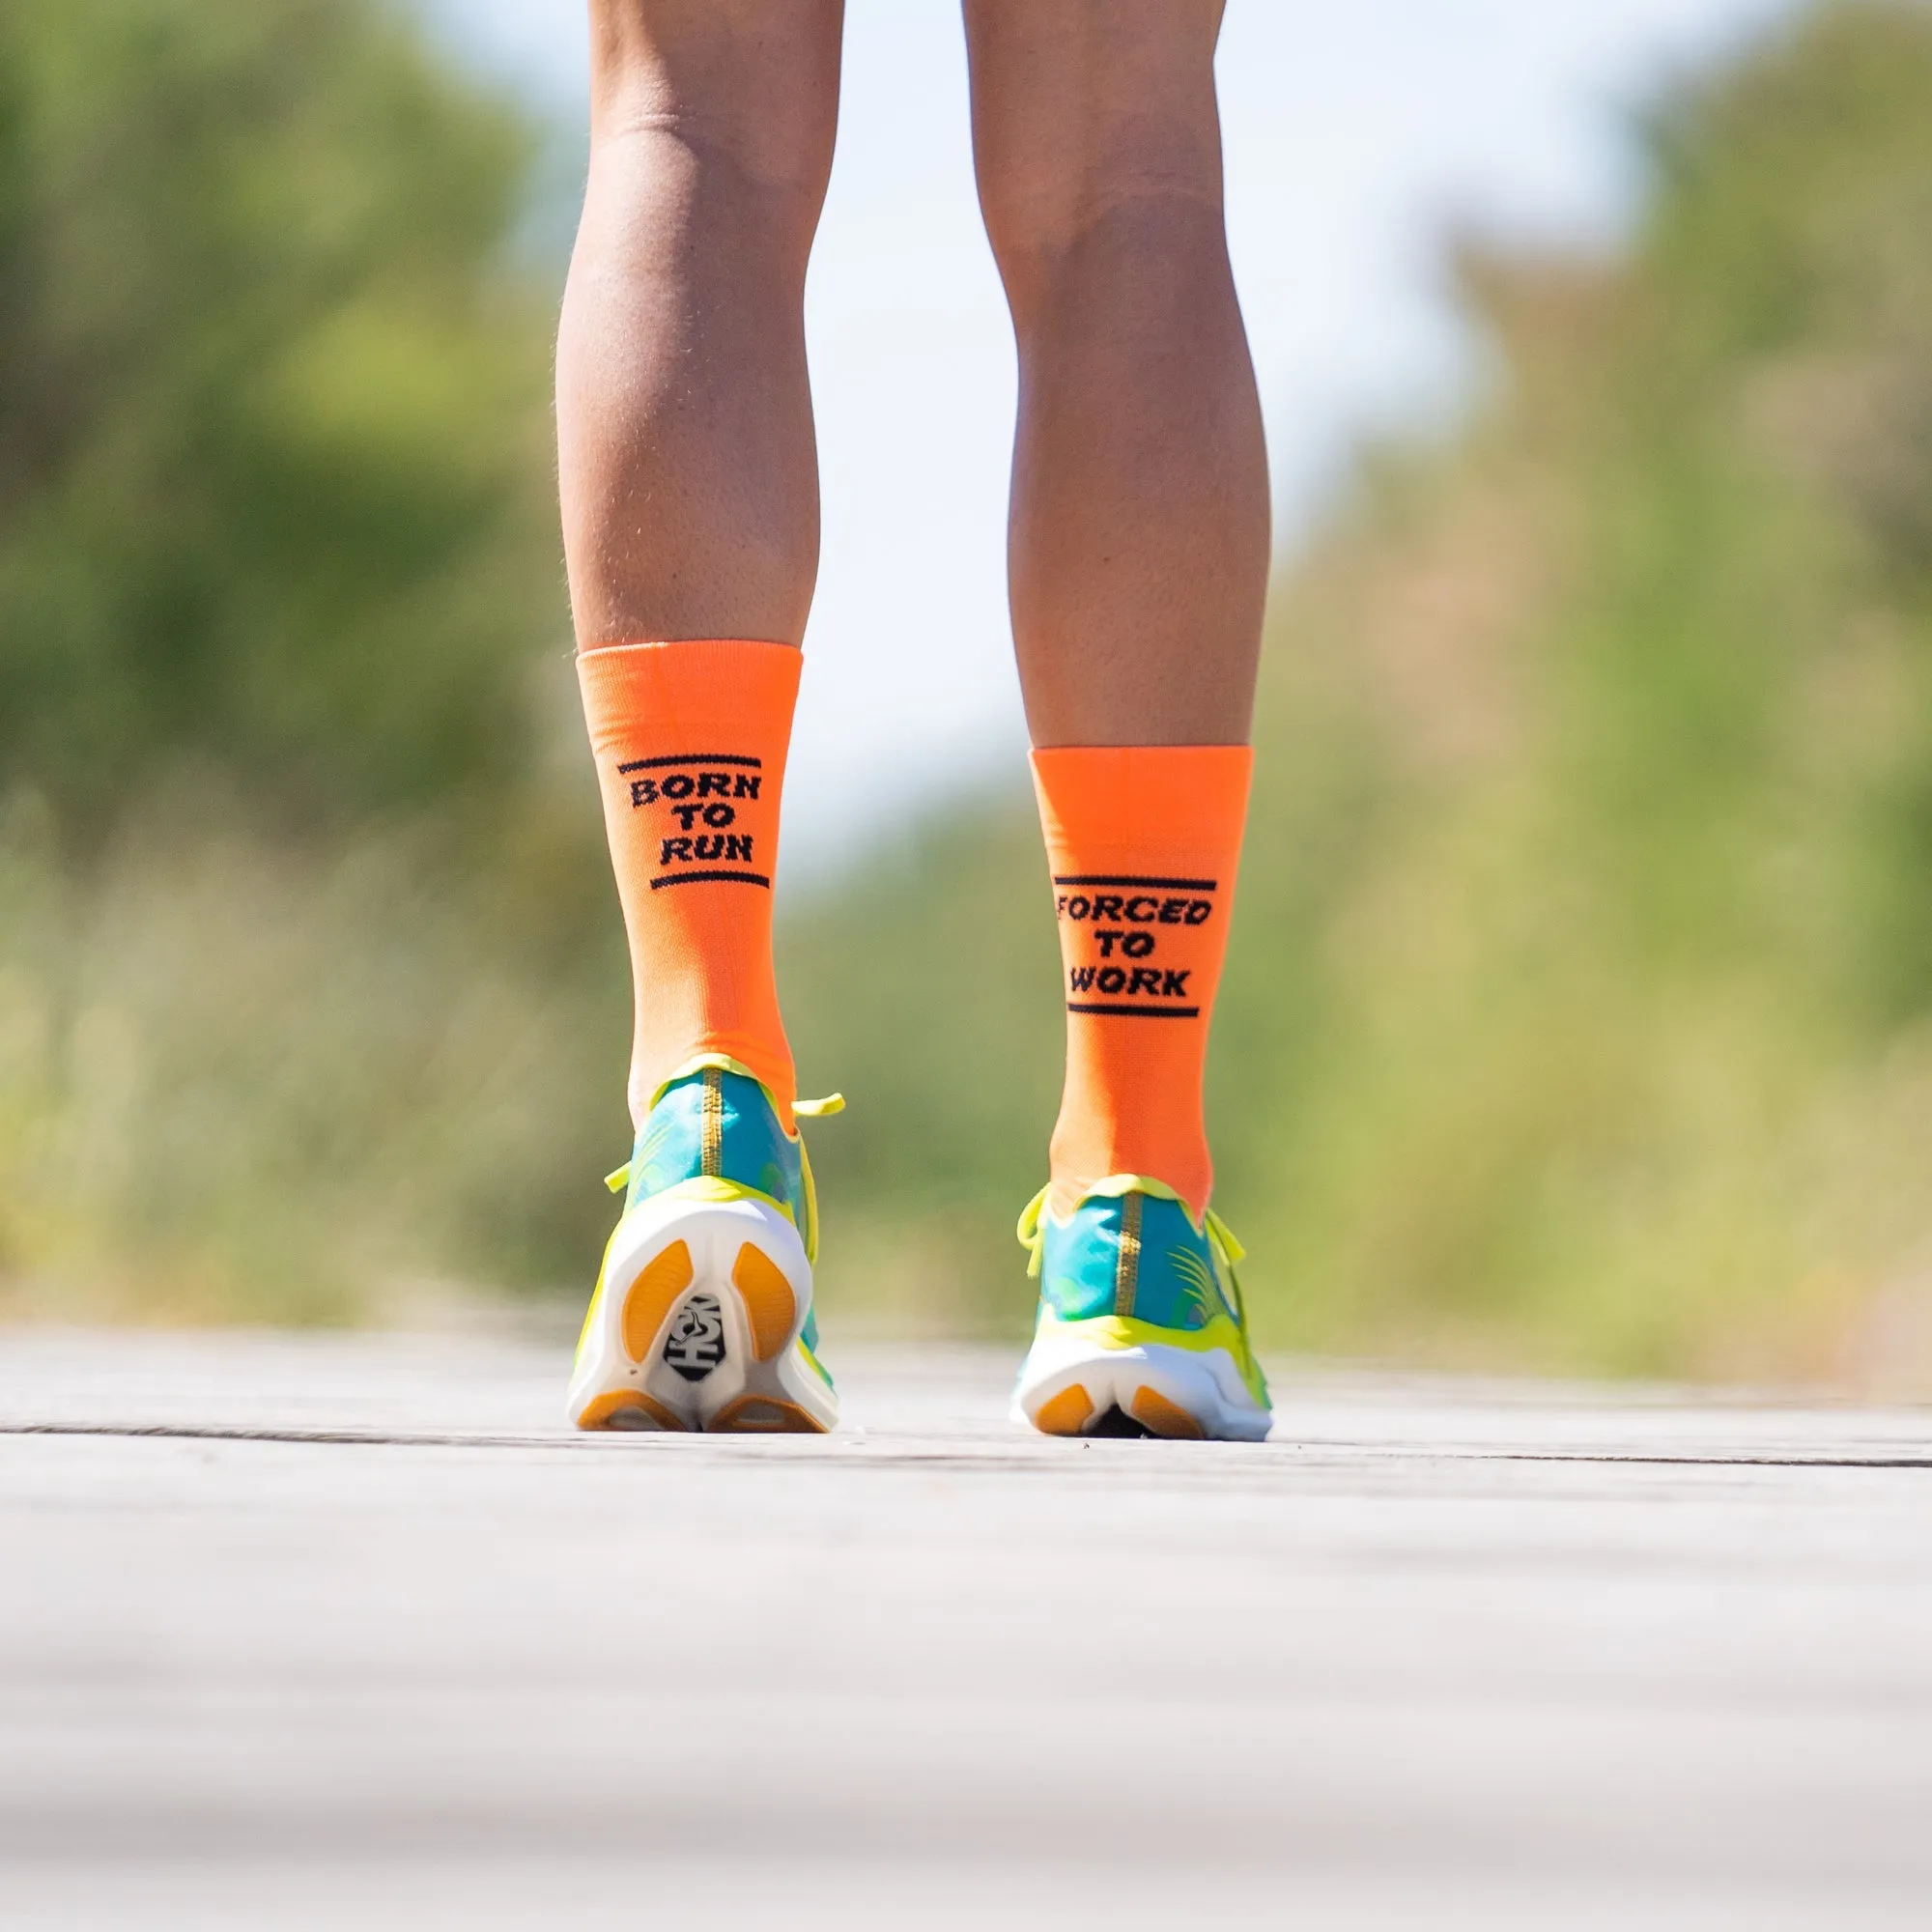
column 702, row 1315
column 1141, row 1327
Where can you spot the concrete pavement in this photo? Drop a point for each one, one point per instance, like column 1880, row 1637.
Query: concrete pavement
column 348, row 1632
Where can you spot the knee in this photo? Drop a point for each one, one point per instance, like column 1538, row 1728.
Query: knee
column 745, row 88
column 1039, row 210
column 1050, row 217
column 1113, row 169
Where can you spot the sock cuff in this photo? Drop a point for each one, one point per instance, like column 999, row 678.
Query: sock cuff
column 617, row 646
column 1144, row 806
column 728, row 684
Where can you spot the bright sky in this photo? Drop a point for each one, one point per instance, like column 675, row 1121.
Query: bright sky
column 1355, row 135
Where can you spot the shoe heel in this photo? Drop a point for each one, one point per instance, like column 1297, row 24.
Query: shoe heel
column 1160, row 1416
column 706, row 1301
column 650, row 1298
column 773, row 1314
column 1065, row 1413
column 640, row 1325
column 765, row 1415
column 631, row 1410
column 769, row 1301
column 1073, row 1385
column 1069, row 1412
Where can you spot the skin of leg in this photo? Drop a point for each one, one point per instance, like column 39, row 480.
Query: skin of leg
column 688, row 464
column 1140, row 523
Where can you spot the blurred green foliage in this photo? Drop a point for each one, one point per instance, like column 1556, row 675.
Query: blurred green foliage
column 1580, row 1011
column 271, row 423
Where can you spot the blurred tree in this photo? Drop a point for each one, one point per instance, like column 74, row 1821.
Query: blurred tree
column 273, row 481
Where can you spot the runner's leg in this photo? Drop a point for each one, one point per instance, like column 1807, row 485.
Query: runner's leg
column 1140, row 505
column 688, row 463
column 690, row 524
column 1139, row 553
column 690, row 485
column 1140, row 525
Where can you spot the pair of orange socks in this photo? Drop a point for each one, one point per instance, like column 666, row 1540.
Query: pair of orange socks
column 1143, row 844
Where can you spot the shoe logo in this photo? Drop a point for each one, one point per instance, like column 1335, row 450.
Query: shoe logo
column 696, row 1344
column 1198, row 1286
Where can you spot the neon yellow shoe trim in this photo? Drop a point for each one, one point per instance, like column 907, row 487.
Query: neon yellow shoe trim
column 1113, row 1333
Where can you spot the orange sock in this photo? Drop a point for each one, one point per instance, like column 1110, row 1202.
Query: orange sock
column 1143, row 842
column 690, row 741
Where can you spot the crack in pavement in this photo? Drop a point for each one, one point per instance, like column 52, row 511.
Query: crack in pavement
column 875, row 1450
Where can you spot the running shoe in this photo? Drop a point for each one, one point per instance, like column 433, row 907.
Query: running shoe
column 703, row 1316
column 1141, row 1327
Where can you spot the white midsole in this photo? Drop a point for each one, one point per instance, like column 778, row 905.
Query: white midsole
column 1205, row 1383
column 715, row 1232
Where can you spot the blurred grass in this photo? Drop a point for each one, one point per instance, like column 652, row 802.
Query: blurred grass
column 242, row 1084
column 1579, row 1013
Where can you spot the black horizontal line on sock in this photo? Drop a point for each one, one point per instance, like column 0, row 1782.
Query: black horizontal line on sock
column 1165, row 885
column 1139, row 1012
column 691, row 758
column 702, row 878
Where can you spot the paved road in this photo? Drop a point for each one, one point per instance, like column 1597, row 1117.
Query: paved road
column 348, row 1633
